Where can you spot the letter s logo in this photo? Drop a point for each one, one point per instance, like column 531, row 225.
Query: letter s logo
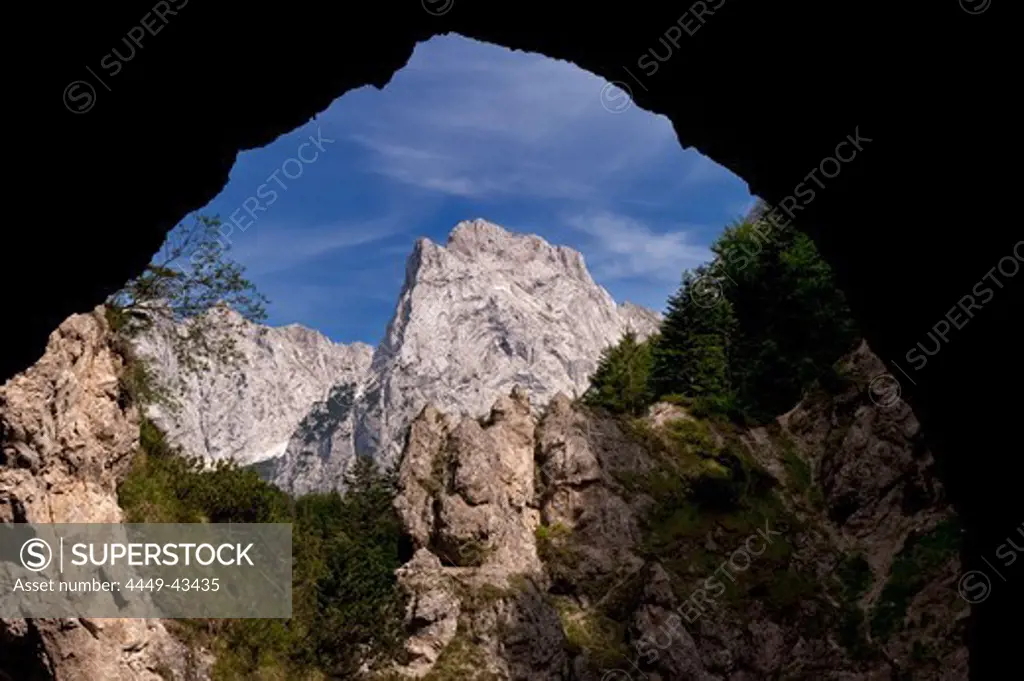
column 36, row 555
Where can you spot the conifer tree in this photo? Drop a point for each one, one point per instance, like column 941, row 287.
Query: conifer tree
column 793, row 322
column 621, row 382
column 691, row 358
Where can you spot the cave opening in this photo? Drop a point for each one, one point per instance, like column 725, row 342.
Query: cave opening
column 934, row 166
column 534, row 202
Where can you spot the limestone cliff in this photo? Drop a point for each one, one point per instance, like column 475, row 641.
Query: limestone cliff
column 577, row 546
column 66, row 436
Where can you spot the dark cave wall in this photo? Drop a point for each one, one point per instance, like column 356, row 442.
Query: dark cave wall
column 767, row 89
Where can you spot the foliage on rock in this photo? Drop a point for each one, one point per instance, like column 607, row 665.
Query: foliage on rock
column 743, row 336
column 190, row 275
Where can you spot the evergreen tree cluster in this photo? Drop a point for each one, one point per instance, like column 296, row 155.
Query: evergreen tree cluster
column 744, row 335
column 622, row 381
column 347, row 608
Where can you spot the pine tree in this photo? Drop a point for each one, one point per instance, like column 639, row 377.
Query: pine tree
column 793, row 322
column 691, row 358
column 621, row 382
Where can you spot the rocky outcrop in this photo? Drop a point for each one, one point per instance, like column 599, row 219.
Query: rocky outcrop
column 869, row 457
column 881, row 496
column 66, row 438
column 467, row 500
column 467, row 488
column 819, row 547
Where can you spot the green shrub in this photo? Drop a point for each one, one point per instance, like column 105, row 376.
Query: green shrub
column 922, row 652
column 138, row 385
column 556, row 550
column 851, row 631
column 593, row 634
column 690, row 437
column 855, row 576
column 788, row 589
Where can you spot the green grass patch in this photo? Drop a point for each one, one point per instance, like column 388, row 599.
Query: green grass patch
column 593, row 634
column 798, row 471
column 707, row 484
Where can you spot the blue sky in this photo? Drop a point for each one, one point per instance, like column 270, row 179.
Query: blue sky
column 470, row 130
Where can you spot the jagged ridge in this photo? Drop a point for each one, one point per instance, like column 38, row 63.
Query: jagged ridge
column 248, row 411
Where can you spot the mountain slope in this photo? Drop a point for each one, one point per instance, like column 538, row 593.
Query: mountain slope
column 248, row 411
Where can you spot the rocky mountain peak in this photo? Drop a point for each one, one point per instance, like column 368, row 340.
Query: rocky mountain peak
column 485, row 311
column 478, row 243
column 488, row 310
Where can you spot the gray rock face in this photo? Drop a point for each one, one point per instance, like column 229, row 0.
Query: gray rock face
column 249, row 411
column 320, row 450
column 467, row 488
column 467, row 499
column 488, row 310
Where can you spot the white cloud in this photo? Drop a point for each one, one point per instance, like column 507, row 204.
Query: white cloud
column 623, row 248
column 476, row 127
column 472, row 120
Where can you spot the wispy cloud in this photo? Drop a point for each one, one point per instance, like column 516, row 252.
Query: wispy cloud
column 468, row 129
column 272, row 248
column 476, row 121
column 623, row 248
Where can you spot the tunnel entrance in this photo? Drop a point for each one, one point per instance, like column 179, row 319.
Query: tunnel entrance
column 900, row 277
